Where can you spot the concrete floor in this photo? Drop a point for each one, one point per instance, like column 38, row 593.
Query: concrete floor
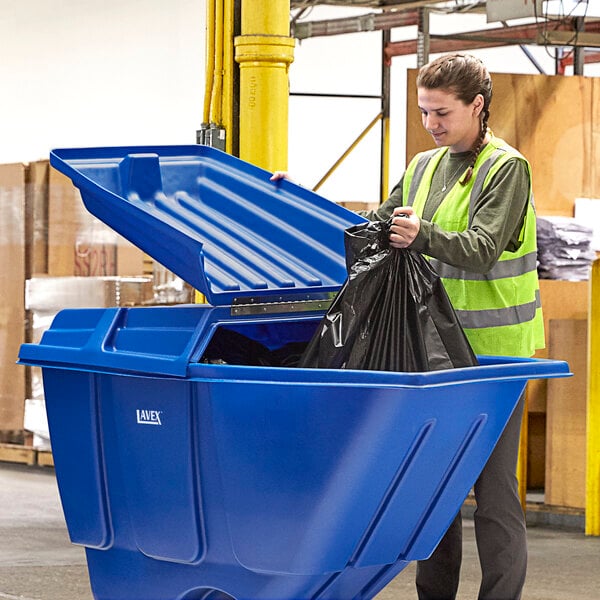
column 37, row 561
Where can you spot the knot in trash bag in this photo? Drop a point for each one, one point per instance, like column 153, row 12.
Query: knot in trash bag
column 391, row 314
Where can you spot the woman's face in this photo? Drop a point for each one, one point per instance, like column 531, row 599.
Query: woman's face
column 449, row 120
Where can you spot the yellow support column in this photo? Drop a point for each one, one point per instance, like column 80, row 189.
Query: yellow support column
column 522, row 458
column 228, row 77
column 264, row 51
column 592, row 484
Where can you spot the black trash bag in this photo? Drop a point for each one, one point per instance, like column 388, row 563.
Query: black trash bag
column 392, row 313
column 231, row 347
column 288, row 355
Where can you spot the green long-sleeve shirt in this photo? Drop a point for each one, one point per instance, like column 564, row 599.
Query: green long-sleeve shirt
column 496, row 222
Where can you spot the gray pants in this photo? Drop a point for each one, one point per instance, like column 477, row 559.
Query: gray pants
column 499, row 530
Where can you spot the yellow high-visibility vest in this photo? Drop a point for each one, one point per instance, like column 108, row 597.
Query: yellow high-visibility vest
column 500, row 311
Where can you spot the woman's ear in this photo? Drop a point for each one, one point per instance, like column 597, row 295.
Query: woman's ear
column 478, row 103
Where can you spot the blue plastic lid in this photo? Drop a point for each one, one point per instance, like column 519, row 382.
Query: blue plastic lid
column 214, row 220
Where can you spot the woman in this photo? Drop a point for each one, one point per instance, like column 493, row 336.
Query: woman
column 468, row 206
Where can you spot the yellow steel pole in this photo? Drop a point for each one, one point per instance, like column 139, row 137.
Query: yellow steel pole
column 385, row 159
column 264, row 51
column 216, row 97
column 228, row 78
column 592, row 483
column 210, row 59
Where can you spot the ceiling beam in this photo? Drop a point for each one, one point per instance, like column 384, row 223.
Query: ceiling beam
column 504, row 36
column 383, row 4
column 371, row 22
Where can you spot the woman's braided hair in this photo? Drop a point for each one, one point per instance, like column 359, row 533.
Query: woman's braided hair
column 465, row 76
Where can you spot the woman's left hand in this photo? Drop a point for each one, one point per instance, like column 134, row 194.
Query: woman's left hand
column 405, row 227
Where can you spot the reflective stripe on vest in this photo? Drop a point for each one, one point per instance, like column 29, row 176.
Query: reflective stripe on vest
column 496, row 317
column 417, row 174
column 512, row 267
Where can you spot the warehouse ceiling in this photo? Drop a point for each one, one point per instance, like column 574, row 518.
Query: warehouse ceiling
column 564, row 27
column 373, row 3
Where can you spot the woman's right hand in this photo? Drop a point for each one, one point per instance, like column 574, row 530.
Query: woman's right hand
column 405, row 227
column 278, row 175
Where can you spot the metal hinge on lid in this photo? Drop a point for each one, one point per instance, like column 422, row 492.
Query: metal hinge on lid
column 281, row 304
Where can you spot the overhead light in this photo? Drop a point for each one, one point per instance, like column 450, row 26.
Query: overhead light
column 504, row 10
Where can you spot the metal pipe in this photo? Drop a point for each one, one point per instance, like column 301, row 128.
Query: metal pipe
column 228, row 74
column 210, row 59
column 579, row 58
column 369, row 22
column 215, row 100
column 327, row 95
column 385, row 118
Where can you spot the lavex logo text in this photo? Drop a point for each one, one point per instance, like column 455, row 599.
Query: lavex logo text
column 148, row 417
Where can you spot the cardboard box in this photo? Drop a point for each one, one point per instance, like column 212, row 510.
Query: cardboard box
column 36, row 218
column 81, row 245
column 12, row 282
column 78, row 244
